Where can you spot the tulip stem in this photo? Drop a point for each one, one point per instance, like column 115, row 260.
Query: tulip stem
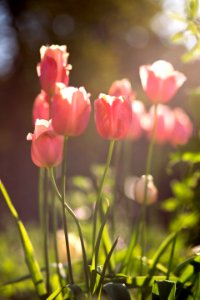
column 99, row 195
column 144, row 206
column 171, row 256
column 70, row 211
column 71, row 280
column 46, row 231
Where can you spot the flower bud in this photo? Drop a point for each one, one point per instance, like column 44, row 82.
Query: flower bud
column 47, row 146
column 139, row 190
column 70, row 110
column 121, row 88
column 113, row 116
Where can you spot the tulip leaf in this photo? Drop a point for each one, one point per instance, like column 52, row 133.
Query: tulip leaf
column 31, row 261
column 164, row 290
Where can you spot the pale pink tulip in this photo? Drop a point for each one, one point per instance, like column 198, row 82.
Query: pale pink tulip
column 164, row 123
column 160, row 81
column 41, row 107
column 182, row 129
column 47, row 146
column 53, row 67
column 121, row 88
column 136, row 128
column 70, row 110
column 139, row 190
column 113, row 116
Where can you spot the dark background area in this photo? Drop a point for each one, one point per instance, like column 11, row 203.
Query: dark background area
column 107, row 40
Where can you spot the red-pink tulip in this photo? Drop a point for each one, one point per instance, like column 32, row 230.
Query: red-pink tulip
column 136, row 128
column 113, row 116
column 121, row 88
column 41, row 107
column 182, row 129
column 164, row 123
column 47, row 146
column 53, row 67
column 160, row 81
column 70, row 110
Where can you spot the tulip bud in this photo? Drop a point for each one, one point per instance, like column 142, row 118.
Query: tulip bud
column 182, row 129
column 139, row 190
column 112, row 116
column 53, row 67
column 41, row 107
column 121, row 88
column 74, row 246
column 70, row 110
column 160, row 81
column 47, row 146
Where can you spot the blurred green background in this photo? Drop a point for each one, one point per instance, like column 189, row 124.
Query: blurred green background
column 107, row 40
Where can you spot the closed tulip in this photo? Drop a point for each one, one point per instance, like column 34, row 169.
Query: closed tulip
column 70, row 110
column 41, row 107
column 136, row 128
column 113, row 116
column 47, row 146
column 53, row 67
column 164, row 123
column 121, row 88
column 139, row 190
column 160, row 81
column 182, row 129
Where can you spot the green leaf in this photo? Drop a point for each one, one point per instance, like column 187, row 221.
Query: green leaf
column 192, row 8
column 170, row 204
column 31, row 261
column 178, row 37
column 163, row 290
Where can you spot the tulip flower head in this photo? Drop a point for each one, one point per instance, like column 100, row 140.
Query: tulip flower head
column 121, row 88
column 182, row 129
column 113, row 116
column 74, row 246
column 139, row 190
column 41, row 107
column 53, row 67
column 160, row 81
column 138, row 111
column 70, row 110
column 47, row 146
column 164, row 123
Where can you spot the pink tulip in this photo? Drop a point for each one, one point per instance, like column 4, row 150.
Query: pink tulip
column 122, row 88
column 41, row 107
column 53, row 67
column 160, row 81
column 138, row 111
column 113, row 116
column 47, row 146
column 70, row 110
column 182, row 129
column 164, row 123
column 139, row 190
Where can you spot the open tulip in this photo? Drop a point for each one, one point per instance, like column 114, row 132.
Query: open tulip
column 53, row 67
column 160, row 81
column 121, row 88
column 139, row 190
column 113, row 116
column 47, row 146
column 164, row 123
column 182, row 129
column 41, row 107
column 70, row 110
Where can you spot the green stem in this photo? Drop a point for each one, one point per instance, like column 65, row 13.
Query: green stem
column 70, row 211
column 41, row 196
column 46, row 231
column 54, row 220
column 171, row 256
column 148, row 171
column 71, row 280
column 99, row 195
